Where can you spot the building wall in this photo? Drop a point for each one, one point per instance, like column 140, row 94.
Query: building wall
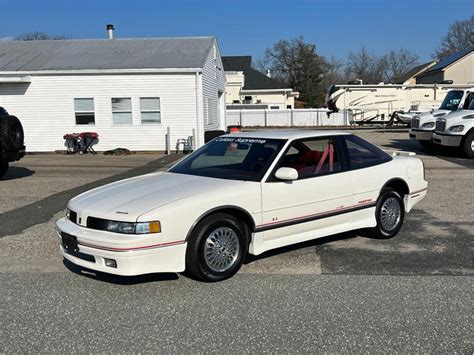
column 274, row 99
column 46, row 108
column 461, row 72
column 234, row 83
column 213, row 86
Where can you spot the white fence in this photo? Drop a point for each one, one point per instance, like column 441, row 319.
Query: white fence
column 286, row 118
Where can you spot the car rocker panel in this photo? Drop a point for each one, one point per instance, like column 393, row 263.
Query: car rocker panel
column 161, row 222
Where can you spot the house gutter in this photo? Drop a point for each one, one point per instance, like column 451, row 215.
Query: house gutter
column 103, row 71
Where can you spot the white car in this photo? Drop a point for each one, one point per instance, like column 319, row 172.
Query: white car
column 241, row 193
column 423, row 125
column 457, row 130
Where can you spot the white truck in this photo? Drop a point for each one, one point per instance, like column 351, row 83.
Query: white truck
column 456, row 129
column 423, row 125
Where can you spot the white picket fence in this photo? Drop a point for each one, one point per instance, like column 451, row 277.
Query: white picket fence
column 285, row 118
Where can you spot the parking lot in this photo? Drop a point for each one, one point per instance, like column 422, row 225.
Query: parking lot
column 346, row 293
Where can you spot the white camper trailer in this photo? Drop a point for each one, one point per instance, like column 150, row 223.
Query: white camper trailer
column 385, row 103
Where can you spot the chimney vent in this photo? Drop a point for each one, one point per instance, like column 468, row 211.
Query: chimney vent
column 269, row 73
column 110, row 31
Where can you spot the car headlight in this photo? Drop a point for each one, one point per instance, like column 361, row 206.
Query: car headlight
column 133, row 228
column 428, row 125
column 458, row 128
column 467, row 117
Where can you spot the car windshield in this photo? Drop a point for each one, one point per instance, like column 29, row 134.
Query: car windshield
column 452, row 100
column 233, row 158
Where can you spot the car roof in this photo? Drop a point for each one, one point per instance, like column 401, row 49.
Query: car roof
column 287, row 133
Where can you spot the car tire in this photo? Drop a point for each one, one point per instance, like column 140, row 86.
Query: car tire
column 389, row 213
column 468, row 145
column 3, row 168
column 216, row 248
column 11, row 133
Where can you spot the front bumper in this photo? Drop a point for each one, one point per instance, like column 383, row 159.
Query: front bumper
column 130, row 261
column 421, row 135
column 447, row 139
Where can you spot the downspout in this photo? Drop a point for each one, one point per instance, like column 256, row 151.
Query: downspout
column 198, row 92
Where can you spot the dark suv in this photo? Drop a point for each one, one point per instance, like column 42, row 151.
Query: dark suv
column 12, row 146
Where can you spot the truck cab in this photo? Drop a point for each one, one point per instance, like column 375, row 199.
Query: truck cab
column 456, row 129
column 423, row 125
column 12, row 146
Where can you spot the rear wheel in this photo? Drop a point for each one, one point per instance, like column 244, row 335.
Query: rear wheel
column 3, row 168
column 468, row 145
column 389, row 213
column 216, row 248
column 11, row 133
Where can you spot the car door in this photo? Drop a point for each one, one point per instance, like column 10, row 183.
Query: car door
column 368, row 173
column 293, row 210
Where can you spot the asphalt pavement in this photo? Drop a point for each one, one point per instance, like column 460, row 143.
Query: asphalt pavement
column 345, row 293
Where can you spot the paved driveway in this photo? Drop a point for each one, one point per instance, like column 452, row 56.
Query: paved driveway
column 342, row 293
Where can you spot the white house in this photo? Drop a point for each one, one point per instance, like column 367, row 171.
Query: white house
column 129, row 91
column 247, row 88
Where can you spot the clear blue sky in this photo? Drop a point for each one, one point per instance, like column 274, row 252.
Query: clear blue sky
column 245, row 26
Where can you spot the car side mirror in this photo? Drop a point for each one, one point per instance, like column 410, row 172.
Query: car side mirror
column 287, row 174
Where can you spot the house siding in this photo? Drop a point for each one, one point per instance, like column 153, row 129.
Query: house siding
column 213, row 82
column 46, row 108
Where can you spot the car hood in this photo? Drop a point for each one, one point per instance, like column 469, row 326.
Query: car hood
column 126, row 200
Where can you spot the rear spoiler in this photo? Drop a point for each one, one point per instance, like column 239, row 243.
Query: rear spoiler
column 399, row 153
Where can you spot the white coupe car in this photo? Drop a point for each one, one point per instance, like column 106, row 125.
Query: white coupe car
column 241, row 193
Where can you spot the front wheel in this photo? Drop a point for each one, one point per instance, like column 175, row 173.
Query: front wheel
column 216, row 248
column 389, row 213
column 468, row 145
column 3, row 168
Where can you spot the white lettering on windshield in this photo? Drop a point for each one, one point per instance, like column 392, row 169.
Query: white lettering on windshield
column 241, row 140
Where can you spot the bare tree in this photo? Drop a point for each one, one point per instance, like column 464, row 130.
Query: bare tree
column 366, row 66
column 460, row 36
column 397, row 63
column 333, row 71
column 37, row 36
column 297, row 64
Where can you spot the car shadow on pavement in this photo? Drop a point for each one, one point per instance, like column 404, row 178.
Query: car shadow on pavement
column 116, row 279
column 16, row 172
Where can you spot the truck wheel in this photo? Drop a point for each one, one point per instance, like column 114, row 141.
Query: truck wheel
column 389, row 213
column 3, row 168
column 11, row 133
column 216, row 248
column 468, row 145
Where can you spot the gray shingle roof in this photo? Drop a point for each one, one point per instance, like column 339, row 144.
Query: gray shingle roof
column 149, row 53
column 254, row 80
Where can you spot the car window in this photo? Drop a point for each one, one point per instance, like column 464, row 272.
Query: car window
column 363, row 154
column 234, row 158
column 313, row 157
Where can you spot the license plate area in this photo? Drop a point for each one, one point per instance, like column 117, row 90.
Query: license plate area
column 69, row 243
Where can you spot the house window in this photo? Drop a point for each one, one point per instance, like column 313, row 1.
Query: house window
column 235, row 101
column 150, row 109
column 274, row 107
column 209, row 112
column 84, row 111
column 122, row 110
